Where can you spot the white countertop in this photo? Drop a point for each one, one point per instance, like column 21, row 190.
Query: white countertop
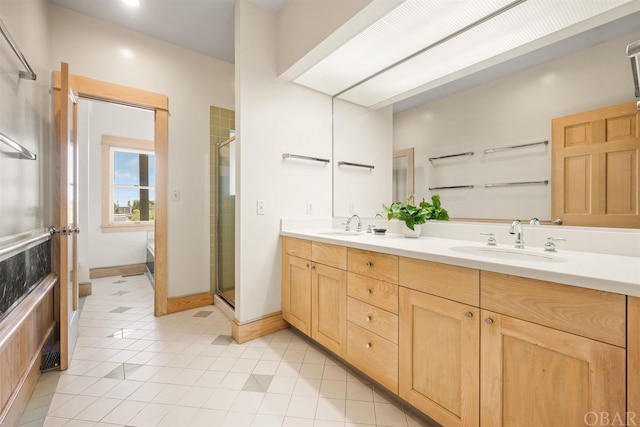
column 612, row 273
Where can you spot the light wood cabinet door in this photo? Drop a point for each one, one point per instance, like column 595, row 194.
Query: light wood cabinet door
column 329, row 307
column 595, row 164
column 532, row 375
column 439, row 357
column 296, row 293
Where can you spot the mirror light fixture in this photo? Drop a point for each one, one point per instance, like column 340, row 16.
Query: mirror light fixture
column 423, row 44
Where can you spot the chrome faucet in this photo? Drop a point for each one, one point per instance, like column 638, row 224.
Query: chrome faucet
column 516, row 228
column 348, row 227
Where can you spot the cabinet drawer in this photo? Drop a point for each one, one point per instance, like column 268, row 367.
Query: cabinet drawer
column 375, row 292
column 447, row 281
column 587, row 312
column 373, row 319
column 331, row 255
column 297, row 247
column 373, row 264
column 373, row 355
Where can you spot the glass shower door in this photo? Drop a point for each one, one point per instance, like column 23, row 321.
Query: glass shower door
column 225, row 224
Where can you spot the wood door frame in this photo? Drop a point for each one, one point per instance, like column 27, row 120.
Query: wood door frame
column 158, row 103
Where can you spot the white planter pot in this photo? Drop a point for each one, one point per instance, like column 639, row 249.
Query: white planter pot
column 407, row 232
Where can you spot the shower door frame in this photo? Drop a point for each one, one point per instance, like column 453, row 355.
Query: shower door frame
column 216, row 268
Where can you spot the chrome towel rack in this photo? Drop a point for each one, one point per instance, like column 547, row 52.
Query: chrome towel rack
column 29, row 74
column 469, row 153
column 297, row 156
column 19, row 148
column 452, row 187
column 495, row 150
column 509, row 184
column 358, row 165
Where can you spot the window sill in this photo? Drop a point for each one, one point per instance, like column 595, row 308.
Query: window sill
column 127, row 227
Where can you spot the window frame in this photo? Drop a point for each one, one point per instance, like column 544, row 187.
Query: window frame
column 109, row 143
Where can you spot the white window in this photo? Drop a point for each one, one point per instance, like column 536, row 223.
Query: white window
column 128, row 184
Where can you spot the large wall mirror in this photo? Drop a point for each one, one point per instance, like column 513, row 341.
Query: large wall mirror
column 483, row 141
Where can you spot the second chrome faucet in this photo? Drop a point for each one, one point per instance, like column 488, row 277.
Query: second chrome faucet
column 516, row 229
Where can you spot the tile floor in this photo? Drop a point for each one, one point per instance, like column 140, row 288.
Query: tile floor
column 132, row 369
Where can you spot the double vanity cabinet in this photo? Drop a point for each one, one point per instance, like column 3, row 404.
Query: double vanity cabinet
column 465, row 346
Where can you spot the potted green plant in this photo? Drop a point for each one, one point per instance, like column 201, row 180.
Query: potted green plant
column 413, row 216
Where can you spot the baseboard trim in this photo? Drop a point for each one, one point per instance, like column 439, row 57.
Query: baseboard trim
column 84, row 289
column 118, row 270
column 177, row 304
column 266, row 325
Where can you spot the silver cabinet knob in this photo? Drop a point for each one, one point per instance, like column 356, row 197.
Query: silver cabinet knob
column 368, row 318
column 368, row 291
column 368, row 345
column 368, row 264
column 488, row 321
column 307, row 265
column 313, row 267
column 468, row 315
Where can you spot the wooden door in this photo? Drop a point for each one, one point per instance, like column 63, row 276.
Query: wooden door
column 595, row 165
column 329, row 307
column 64, row 253
column 296, row 293
column 532, row 375
column 440, row 357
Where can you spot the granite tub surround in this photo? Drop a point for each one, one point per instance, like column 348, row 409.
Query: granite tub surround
column 22, row 272
column 602, row 271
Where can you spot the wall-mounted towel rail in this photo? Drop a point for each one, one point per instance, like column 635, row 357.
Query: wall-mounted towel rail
column 19, row 148
column 469, row 153
column 358, row 165
column 296, row 156
column 452, row 187
column 495, row 150
column 29, row 74
column 510, row 184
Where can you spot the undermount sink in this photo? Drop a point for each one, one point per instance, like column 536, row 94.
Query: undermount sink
column 508, row 254
column 341, row 232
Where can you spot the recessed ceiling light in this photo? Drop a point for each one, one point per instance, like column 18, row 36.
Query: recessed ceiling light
column 131, row 2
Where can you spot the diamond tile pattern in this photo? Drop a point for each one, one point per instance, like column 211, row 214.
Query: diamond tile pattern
column 130, row 368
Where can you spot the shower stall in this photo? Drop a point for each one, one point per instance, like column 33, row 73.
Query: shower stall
column 225, row 221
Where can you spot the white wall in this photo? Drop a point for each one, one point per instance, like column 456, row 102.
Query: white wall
column 513, row 110
column 192, row 82
column 25, row 116
column 361, row 135
column 272, row 117
column 96, row 119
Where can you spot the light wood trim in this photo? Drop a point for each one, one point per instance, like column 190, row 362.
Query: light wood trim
column 161, row 234
column 119, row 270
column 23, row 334
column 373, row 264
column 448, row 281
column 372, row 291
column 587, row 312
column 85, row 289
column 176, row 304
column 331, row 255
column 105, row 91
column 633, row 356
column 373, row 319
column 266, row 325
column 297, row 247
column 603, row 387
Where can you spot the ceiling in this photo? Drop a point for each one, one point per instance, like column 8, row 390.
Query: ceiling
column 205, row 26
